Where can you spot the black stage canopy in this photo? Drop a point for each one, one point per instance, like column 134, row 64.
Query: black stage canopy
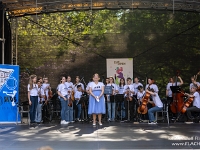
column 28, row 7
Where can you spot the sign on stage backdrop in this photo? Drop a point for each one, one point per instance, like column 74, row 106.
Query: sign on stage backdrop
column 119, row 68
column 9, row 92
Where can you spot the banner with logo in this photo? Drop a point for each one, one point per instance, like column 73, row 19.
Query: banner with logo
column 119, row 68
column 9, row 93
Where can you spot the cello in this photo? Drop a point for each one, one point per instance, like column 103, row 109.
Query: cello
column 178, row 99
column 188, row 102
column 186, row 105
column 142, row 109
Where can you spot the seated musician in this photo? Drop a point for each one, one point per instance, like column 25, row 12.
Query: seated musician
column 194, row 83
column 196, row 103
column 153, row 90
column 140, row 94
column 77, row 96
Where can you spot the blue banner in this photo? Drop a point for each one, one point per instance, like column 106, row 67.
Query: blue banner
column 9, row 93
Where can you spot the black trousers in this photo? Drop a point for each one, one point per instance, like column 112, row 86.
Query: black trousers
column 190, row 110
column 129, row 106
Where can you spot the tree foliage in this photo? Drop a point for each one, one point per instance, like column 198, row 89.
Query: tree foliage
column 160, row 43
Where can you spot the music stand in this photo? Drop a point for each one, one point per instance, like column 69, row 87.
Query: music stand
column 83, row 100
column 108, row 90
column 175, row 89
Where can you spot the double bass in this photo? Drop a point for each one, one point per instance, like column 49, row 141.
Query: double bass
column 178, row 99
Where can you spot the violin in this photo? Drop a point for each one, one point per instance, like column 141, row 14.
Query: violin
column 40, row 96
column 71, row 98
column 128, row 97
column 50, row 93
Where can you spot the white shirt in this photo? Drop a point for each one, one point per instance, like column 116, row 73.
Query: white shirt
column 121, row 89
column 75, row 86
column 62, row 88
column 68, row 84
column 78, row 94
column 40, row 92
column 196, row 101
column 46, row 90
column 114, row 87
column 97, row 86
column 169, row 89
column 88, row 86
column 192, row 84
column 140, row 95
column 135, row 86
column 156, row 100
column 34, row 90
column 153, row 86
column 129, row 87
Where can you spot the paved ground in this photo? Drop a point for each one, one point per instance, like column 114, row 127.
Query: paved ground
column 113, row 135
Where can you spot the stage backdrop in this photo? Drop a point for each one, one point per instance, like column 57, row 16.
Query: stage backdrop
column 9, row 93
column 119, row 68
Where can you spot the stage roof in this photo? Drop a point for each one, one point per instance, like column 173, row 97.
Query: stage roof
column 29, row 7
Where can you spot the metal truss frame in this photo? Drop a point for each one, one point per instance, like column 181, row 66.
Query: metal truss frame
column 17, row 8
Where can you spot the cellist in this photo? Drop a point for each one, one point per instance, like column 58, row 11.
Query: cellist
column 196, row 103
column 153, row 90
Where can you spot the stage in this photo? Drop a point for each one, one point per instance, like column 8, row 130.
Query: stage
column 114, row 135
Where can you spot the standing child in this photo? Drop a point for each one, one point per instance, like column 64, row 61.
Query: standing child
column 77, row 82
column 33, row 96
column 96, row 99
column 46, row 87
column 121, row 92
column 38, row 116
column 128, row 102
column 78, row 95
column 112, row 104
column 64, row 99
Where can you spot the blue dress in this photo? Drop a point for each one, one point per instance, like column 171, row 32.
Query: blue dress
column 96, row 107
